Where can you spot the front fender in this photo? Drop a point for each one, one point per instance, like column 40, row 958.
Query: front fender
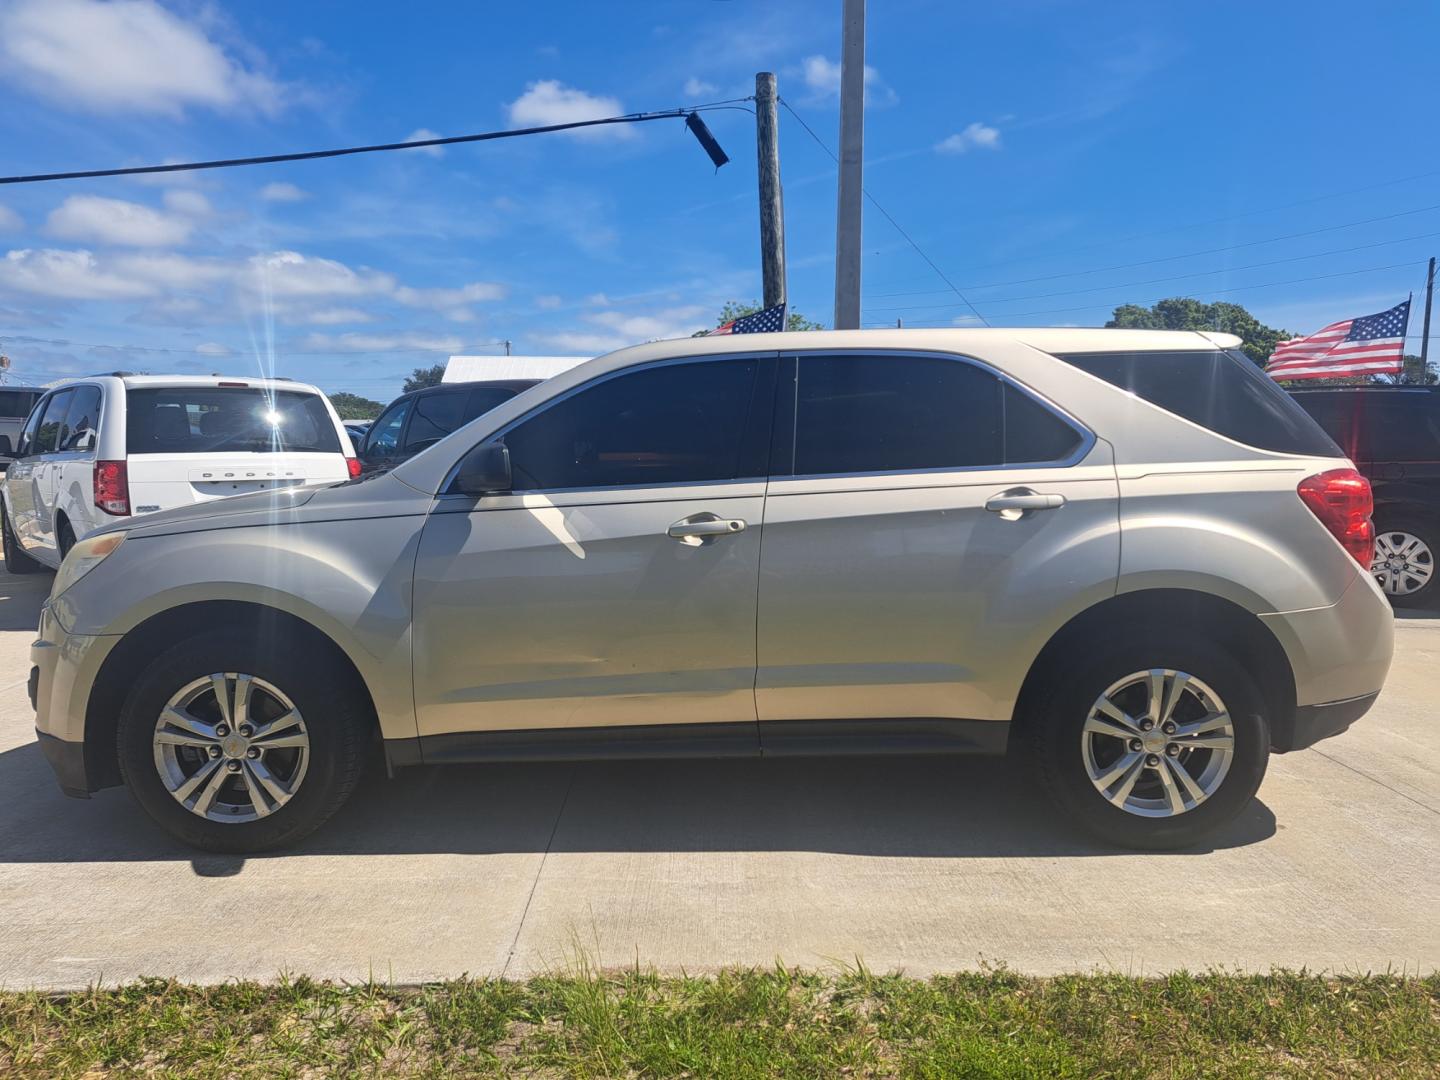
column 357, row 594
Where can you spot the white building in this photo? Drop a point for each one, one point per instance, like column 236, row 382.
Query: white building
column 476, row 368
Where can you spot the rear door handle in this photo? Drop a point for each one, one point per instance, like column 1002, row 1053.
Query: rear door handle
column 704, row 528
column 1017, row 502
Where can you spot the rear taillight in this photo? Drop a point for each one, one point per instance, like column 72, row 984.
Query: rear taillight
column 112, row 488
column 1342, row 501
column 353, row 464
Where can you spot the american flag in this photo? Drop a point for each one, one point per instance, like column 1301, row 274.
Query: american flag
column 762, row 322
column 1372, row 345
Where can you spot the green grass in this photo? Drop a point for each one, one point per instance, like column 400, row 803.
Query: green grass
column 772, row 1023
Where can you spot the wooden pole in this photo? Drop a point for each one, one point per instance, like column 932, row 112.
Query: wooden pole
column 772, row 198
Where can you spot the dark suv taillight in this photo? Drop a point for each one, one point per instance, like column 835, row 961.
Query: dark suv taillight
column 1342, row 501
column 112, row 488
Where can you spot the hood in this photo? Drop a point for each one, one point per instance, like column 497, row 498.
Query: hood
column 378, row 496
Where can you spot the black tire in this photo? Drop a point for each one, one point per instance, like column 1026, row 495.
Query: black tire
column 336, row 712
column 1056, row 715
column 1426, row 595
column 16, row 561
column 64, row 538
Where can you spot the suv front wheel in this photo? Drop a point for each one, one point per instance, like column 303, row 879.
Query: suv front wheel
column 234, row 741
column 1153, row 741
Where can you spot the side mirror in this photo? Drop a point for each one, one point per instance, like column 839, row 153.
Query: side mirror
column 4, row 445
column 485, row 470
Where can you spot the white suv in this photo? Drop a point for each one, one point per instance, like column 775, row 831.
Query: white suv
column 123, row 445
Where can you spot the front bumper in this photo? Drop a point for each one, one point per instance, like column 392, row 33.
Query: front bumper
column 64, row 671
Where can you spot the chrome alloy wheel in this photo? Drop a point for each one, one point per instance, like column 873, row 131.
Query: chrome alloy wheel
column 1403, row 563
column 1158, row 743
column 231, row 747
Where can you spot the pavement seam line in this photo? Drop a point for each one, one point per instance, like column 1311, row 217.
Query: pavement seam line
column 525, row 912
column 1377, row 780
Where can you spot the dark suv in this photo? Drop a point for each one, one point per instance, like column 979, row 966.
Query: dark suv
column 420, row 418
column 1392, row 433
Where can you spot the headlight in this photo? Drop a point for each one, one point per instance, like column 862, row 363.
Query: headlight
column 84, row 557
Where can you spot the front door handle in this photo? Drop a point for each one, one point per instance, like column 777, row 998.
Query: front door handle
column 704, row 528
column 1017, row 502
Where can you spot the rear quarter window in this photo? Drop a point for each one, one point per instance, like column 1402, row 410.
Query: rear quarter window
column 1218, row 390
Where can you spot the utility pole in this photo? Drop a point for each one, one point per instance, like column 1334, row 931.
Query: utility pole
column 1425, row 328
column 772, row 197
column 852, row 152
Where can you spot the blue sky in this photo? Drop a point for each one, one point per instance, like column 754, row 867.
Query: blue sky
column 1054, row 158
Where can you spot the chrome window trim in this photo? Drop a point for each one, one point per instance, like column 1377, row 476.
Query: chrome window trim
column 1088, row 438
column 550, row 402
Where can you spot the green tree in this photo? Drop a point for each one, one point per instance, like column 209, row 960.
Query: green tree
column 1185, row 313
column 354, row 407
column 733, row 309
column 422, row 377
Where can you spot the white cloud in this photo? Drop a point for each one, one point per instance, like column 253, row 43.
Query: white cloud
column 441, row 299
column 188, row 203
column 67, row 275
column 291, row 275
column 697, row 87
column 124, row 56
column 548, row 302
column 362, row 343
column 95, row 219
column 336, row 316
column 976, row 136
column 550, row 101
column 822, row 76
column 283, row 192
column 10, row 221
column 616, row 329
column 214, row 348
column 421, row 134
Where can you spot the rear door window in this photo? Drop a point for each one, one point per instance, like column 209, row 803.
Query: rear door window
column 82, row 420
column 1401, row 426
column 222, row 419
column 1222, row 391
column 877, row 413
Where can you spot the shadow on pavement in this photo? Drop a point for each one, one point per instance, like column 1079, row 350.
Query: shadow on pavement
column 941, row 807
column 20, row 598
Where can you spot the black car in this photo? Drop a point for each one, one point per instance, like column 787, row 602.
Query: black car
column 1392, row 433
column 421, row 418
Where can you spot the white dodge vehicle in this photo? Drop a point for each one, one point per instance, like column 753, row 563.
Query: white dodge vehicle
column 119, row 445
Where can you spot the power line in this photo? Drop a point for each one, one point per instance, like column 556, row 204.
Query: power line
column 1200, row 224
column 1187, row 255
column 1176, row 277
column 876, row 203
column 310, row 155
column 1219, row 292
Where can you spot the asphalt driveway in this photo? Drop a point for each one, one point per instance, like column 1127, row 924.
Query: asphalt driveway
column 914, row 864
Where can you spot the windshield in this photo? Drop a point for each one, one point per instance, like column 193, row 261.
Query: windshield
column 208, row 419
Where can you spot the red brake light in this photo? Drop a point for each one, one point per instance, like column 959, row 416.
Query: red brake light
column 112, row 488
column 1342, row 501
column 353, row 464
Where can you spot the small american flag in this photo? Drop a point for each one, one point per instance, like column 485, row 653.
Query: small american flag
column 1372, row 345
column 762, row 322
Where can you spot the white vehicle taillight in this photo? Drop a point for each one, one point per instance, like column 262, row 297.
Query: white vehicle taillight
column 1341, row 499
column 353, row 464
column 112, row 488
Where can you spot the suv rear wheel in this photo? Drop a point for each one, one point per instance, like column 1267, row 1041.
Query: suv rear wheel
column 237, row 743
column 1152, row 741
column 1405, row 561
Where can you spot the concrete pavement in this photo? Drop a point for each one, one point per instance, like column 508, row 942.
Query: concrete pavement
column 914, row 864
